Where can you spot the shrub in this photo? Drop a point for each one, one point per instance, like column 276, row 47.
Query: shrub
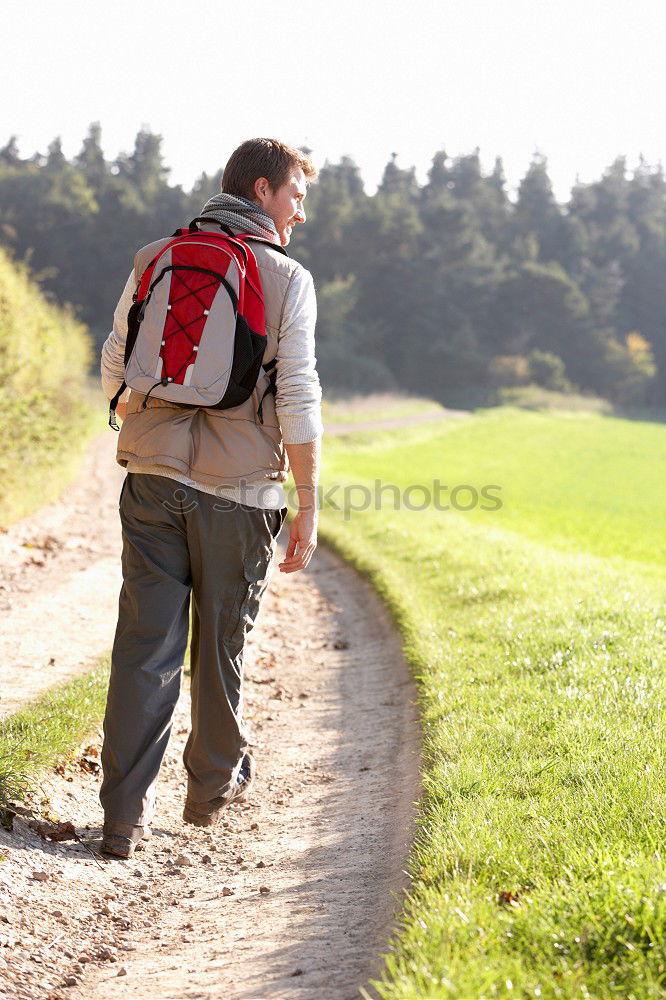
column 45, row 354
column 507, row 370
column 535, row 397
column 547, row 370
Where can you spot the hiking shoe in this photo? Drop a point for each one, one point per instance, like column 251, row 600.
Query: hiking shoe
column 121, row 846
column 208, row 813
column 147, row 835
column 245, row 780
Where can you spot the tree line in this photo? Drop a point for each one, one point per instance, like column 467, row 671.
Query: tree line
column 438, row 288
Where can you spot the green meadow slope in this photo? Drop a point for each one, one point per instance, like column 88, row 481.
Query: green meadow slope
column 45, row 413
column 578, row 481
column 536, row 632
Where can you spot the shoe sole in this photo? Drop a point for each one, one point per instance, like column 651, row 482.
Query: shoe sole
column 119, row 847
column 195, row 819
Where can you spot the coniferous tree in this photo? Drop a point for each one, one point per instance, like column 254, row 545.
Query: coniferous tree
column 424, row 287
column 9, row 153
column 90, row 159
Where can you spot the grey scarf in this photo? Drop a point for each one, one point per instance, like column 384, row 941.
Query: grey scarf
column 241, row 213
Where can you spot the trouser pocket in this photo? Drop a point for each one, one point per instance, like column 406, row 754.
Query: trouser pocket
column 249, row 598
column 256, row 577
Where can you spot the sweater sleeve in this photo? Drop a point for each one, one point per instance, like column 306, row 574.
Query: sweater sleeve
column 298, row 397
column 113, row 352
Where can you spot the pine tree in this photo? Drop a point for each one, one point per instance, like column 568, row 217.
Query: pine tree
column 90, row 160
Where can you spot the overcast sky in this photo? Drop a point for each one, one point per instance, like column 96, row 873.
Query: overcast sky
column 580, row 80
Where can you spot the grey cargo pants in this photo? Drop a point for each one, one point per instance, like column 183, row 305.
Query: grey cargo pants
column 178, row 542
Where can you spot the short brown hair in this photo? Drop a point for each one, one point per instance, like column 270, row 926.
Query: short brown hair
column 267, row 158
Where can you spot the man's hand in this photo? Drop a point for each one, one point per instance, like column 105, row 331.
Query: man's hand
column 304, row 461
column 302, row 541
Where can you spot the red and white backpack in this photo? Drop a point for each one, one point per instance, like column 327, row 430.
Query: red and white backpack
column 196, row 332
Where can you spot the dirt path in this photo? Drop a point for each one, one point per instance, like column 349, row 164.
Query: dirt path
column 330, row 708
column 59, row 583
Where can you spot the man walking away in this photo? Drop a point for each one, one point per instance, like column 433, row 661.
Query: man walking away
column 201, row 508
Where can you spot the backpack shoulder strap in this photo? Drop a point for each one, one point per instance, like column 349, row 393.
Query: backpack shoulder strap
column 194, row 227
column 260, row 239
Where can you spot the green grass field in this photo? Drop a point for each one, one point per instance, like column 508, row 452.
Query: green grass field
column 576, row 481
column 537, row 635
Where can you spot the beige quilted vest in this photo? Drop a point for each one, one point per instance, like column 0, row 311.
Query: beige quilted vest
column 217, row 447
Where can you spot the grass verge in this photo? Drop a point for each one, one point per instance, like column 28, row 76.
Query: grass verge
column 45, row 732
column 45, row 411
column 539, row 868
column 40, row 456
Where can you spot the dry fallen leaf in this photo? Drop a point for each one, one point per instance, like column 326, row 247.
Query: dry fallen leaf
column 54, row 831
column 89, row 764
